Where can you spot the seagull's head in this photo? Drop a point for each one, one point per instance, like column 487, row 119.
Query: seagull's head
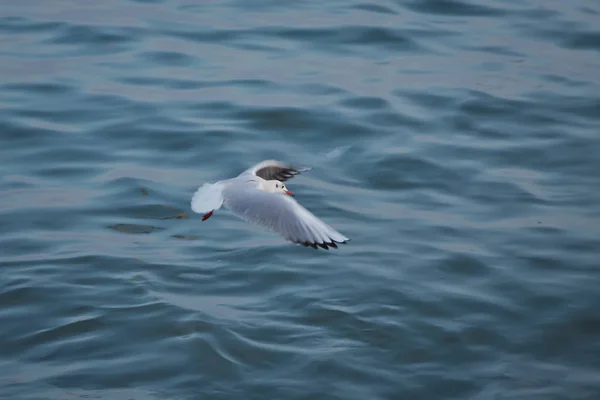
column 276, row 187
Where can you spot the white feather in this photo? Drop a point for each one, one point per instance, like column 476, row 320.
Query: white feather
column 207, row 198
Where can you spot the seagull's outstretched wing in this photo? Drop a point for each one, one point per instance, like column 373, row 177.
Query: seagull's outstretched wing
column 272, row 169
column 207, row 198
column 282, row 214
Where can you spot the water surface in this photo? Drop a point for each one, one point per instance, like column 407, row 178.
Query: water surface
column 455, row 142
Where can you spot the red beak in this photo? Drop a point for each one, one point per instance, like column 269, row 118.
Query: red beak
column 288, row 193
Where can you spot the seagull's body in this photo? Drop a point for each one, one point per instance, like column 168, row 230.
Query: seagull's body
column 259, row 196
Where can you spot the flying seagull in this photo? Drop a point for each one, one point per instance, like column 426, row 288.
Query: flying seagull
column 259, row 196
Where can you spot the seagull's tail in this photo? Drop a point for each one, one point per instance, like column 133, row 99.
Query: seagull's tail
column 207, row 198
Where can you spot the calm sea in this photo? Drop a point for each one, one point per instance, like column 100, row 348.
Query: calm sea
column 456, row 142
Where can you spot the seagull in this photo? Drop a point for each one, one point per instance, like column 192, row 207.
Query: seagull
column 259, row 196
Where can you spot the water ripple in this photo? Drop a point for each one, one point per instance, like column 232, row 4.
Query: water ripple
column 455, row 142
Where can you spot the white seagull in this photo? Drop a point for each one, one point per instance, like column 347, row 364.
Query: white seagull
column 259, row 196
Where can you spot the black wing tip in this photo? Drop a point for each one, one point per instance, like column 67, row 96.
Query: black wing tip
column 282, row 172
column 324, row 245
column 292, row 171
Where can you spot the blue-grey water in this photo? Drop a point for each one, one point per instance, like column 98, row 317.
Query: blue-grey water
column 456, row 142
